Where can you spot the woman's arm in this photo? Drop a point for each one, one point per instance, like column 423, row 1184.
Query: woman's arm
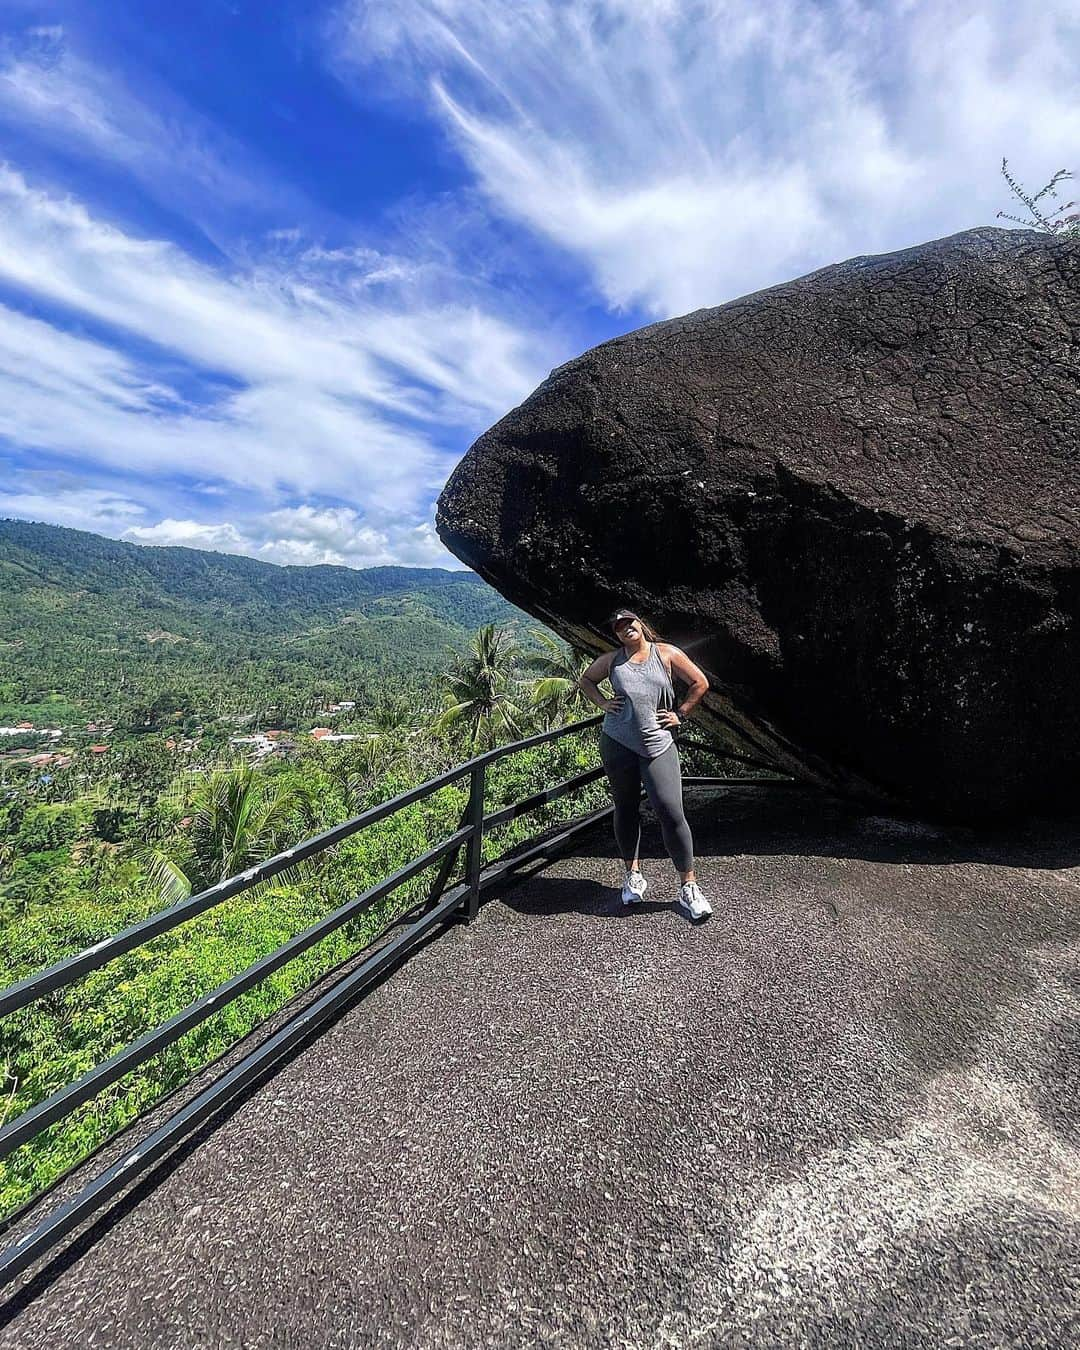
column 591, row 677
column 690, row 674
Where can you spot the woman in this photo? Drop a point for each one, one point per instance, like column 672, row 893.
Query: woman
column 636, row 744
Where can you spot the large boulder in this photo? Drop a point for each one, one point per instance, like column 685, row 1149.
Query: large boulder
column 853, row 498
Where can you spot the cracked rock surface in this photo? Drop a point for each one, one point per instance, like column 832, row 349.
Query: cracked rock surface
column 853, row 498
column 843, row 1112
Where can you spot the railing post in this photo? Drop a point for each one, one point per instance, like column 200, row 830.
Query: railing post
column 448, row 864
column 476, row 820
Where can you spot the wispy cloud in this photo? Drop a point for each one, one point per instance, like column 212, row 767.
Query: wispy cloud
column 92, row 509
column 313, row 373
column 281, row 395
column 50, row 90
column 690, row 152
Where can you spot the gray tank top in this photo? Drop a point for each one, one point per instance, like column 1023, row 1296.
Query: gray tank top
column 645, row 687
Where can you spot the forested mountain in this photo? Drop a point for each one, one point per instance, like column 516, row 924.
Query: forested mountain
column 109, row 628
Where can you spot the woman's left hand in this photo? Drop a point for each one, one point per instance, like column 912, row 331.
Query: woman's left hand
column 668, row 719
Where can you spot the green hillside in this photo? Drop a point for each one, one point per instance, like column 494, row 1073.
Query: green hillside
column 107, row 629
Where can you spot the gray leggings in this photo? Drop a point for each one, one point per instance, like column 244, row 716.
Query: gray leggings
column 662, row 776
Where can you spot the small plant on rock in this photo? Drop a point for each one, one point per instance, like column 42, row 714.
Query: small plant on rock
column 1068, row 227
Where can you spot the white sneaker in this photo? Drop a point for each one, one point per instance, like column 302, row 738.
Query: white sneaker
column 633, row 888
column 693, row 902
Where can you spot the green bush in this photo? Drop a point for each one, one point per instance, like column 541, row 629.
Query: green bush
column 50, row 827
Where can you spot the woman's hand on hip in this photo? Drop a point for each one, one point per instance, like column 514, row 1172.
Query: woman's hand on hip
column 613, row 704
column 668, row 719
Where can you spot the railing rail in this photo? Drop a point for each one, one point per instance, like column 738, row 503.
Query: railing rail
column 53, row 1108
column 441, row 904
column 92, row 958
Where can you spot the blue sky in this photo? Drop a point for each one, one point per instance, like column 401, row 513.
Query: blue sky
column 267, row 269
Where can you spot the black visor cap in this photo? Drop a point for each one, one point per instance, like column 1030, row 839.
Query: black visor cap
column 620, row 615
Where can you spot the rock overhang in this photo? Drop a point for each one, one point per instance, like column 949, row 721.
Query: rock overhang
column 852, row 498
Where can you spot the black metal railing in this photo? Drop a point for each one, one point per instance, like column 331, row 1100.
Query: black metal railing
column 461, row 900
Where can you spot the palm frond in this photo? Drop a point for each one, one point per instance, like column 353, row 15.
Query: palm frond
column 164, row 873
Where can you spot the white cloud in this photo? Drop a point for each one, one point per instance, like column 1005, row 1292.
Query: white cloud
column 695, row 151
column 79, row 508
column 259, row 327
column 296, row 370
column 306, row 535
column 42, row 83
column 303, row 534
column 337, row 385
column 83, row 373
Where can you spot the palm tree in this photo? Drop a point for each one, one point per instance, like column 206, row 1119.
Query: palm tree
column 388, row 712
column 555, row 694
column 357, row 767
column 238, row 817
column 95, row 858
column 482, row 690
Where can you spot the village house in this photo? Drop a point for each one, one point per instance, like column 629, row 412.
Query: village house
column 49, row 757
column 260, row 744
column 265, row 743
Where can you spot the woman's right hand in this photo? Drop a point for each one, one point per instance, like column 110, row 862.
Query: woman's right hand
column 613, row 704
